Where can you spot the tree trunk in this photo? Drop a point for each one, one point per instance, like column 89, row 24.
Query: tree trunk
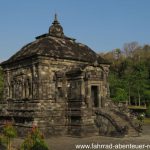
column 135, row 102
column 129, row 97
column 139, row 97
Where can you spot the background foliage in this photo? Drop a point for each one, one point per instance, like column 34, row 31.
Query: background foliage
column 130, row 73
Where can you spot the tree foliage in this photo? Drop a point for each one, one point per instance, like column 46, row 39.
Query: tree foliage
column 130, row 73
column 9, row 133
column 34, row 140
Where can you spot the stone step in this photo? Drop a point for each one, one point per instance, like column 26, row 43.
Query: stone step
column 122, row 122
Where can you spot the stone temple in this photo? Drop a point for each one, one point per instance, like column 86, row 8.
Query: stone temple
column 61, row 86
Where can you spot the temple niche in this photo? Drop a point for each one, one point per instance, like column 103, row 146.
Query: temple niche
column 61, row 86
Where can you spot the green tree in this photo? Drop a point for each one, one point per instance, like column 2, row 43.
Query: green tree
column 128, row 79
column 140, row 80
column 120, row 95
column 9, row 133
column 34, row 141
column 130, row 73
column 129, row 48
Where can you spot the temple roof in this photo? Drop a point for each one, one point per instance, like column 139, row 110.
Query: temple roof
column 56, row 45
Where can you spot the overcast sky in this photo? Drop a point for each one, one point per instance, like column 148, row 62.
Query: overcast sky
column 101, row 24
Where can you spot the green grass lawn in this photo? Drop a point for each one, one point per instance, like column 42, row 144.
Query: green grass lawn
column 147, row 121
column 137, row 107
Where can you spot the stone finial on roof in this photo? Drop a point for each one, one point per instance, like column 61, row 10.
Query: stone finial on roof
column 56, row 29
column 56, row 17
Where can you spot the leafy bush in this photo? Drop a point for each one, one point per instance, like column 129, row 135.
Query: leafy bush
column 34, row 140
column 39, row 146
column 9, row 132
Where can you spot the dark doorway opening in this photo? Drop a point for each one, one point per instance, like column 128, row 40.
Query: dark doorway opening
column 94, row 95
column 75, row 120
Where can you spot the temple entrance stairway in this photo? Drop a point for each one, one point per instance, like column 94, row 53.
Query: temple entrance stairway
column 124, row 125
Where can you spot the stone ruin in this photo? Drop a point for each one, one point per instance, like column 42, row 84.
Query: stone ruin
column 61, row 86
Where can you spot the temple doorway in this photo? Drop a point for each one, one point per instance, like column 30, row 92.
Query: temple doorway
column 94, row 96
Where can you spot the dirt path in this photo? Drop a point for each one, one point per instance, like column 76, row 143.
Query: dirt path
column 69, row 143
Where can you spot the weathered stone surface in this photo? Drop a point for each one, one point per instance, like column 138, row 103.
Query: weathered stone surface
column 59, row 85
